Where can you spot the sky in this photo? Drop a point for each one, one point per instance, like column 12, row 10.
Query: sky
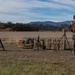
column 25, row 11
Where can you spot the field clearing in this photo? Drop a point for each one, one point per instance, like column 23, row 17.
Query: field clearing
column 31, row 62
column 16, row 61
column 46, row 34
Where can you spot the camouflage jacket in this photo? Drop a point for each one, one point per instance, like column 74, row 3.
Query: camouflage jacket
column 72, row 26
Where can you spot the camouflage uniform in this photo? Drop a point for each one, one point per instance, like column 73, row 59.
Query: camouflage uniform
column 72, row 26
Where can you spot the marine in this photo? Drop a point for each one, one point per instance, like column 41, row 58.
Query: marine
column 72, row 26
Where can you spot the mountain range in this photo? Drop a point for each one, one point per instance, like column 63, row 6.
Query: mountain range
column 51, row 23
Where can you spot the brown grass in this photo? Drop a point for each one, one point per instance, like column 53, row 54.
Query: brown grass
column 60, row 60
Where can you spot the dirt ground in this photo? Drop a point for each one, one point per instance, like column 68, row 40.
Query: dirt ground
column 44, row 34
column 66, row 56
column 14, row 53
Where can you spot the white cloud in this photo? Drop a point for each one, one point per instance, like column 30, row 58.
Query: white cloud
column 68, row 2
column 22, row 10
column 15, row 5
column 26, row 19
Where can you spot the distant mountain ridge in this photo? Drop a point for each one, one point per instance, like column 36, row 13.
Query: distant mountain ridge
column 50, row 23
column 36, row 26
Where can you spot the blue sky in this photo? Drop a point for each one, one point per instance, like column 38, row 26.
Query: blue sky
column 24, row 11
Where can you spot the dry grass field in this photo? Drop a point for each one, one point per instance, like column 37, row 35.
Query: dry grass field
column 43, row 34
column 16, row 61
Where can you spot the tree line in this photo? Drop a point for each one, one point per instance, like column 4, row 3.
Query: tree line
column 18, row 27
column 9, row 26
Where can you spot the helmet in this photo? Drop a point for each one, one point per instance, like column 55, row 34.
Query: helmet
column 74, row 17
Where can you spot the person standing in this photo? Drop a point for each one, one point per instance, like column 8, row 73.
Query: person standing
column 72, row 28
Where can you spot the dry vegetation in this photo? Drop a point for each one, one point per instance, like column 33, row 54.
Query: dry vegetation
column 17, row 61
